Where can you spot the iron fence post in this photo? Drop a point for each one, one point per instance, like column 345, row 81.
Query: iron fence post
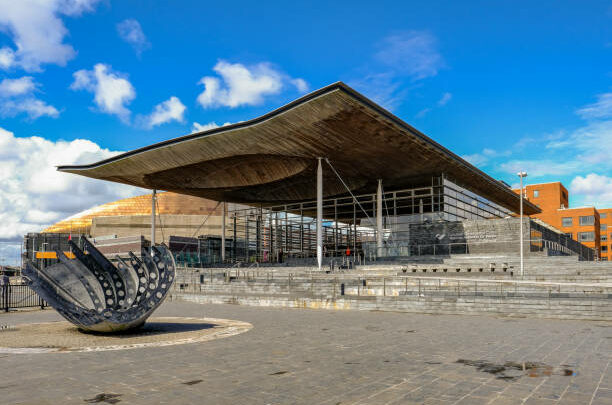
column 6, row 297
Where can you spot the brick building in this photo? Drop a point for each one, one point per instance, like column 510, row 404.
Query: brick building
column 588, row 225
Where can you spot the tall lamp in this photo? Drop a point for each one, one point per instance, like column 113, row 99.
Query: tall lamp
column 521, row 175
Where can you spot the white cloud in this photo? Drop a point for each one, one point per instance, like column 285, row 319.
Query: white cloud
column 38, row 32
column 112, row 90
column 409, row 56
column 595, row 189
column 17, row 87
column 538, row 168
column 602, row 108
column 131, row 32
column 243, row 85
column 384, row 88
column 197, row 127
column 411, row 53
column 167, row 111
column 16, row 97
column 33, row 107
column 446, row 97
column 484, row 157
column 7, row 57
column 33, row 194
column 301, row 85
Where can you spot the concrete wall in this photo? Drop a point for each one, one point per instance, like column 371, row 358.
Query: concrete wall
column 489, row 236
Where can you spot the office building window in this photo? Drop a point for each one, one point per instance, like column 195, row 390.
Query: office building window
column 567, row 221
column 603, row 215
column 587, row 220
column 604, row 259
column 586, row 236
column 604, row 248
column 604, row 227
column 536, row 193
column 604, row 238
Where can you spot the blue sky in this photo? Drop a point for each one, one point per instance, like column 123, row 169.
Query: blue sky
column 507, row 84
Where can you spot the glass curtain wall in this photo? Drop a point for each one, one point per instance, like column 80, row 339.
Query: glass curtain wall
column 288, row 232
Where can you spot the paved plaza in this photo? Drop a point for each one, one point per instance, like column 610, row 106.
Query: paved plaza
column 295, row 356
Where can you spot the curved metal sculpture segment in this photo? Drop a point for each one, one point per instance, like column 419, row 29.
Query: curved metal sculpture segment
column 95, row 295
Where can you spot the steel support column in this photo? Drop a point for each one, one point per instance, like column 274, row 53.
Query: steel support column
column 223, row 208
column 319, row 214
column 153, row 204
column 379, row 220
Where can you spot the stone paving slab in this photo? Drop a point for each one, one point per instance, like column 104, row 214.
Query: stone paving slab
column 300, row 356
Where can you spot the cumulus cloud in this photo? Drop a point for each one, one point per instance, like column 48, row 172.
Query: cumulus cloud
column 167, row 111
column 112, row 90
column 595, row 189
column 17, row 87
column 32, row 107
column 301, row 85
column 38, row 32
column 131, row 32
column 197, row 127
column 33, row 194
column 17, row 97
column 240, row 85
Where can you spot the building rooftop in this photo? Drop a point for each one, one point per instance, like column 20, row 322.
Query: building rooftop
column 272, row 159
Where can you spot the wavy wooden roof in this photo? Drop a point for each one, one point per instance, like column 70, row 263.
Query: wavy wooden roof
column 272, row 159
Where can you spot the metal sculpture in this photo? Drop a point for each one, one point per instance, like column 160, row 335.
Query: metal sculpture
column 93, row 294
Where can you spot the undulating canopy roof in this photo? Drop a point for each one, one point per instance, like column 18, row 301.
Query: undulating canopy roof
column 272, row 159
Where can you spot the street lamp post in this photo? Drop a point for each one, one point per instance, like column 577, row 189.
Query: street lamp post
column 521, row 175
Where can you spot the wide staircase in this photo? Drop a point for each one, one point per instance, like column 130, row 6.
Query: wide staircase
column 552, row 287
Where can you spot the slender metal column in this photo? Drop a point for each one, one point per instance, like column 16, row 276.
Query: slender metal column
column 153, row 204
column 319, row 213
column 522, row 175
column 223, row 208
column 379, row 220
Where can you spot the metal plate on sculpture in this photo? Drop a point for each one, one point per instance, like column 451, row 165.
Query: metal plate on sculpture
column 93, row 294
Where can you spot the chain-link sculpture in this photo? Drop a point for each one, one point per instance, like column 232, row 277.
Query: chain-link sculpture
column 93, row 294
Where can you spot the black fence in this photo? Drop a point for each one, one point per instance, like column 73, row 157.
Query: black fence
column 19, row 296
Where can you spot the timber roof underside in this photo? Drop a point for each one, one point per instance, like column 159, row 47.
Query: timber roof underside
column 272, row 159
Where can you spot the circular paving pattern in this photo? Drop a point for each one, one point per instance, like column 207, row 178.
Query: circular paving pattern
column 63, row 337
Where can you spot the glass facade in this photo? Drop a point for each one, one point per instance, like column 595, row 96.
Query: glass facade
column 273, row 234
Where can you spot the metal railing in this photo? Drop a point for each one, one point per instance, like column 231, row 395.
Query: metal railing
column 14, row 296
